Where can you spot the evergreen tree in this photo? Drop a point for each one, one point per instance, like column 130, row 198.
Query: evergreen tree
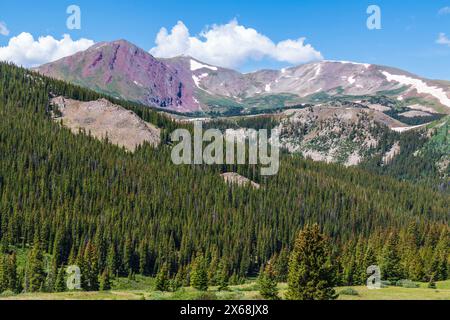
column 390, row 263
column 281, row 265
column 162, row 279
column 88, row 263
column 3, row 273
column 222, row 276
column 61, row 285
column 105, row 283
column 267, row 282
column 13, row 281
column 36, row 268
column 369, row 260
column 311, row 275
column 440, row 258
column 176, row 283
column 212, row 270
column 199, row 274
column 112, row 261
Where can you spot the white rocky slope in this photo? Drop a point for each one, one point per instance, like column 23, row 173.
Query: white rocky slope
column 103, row 119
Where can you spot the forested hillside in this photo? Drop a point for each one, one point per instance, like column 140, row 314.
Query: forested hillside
column 82, row 201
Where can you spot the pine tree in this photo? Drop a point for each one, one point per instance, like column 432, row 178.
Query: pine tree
column 281, row 265
column 3, row 273
column 143, row 259
column 61, row 285
column 162, row 279
column 50, row 281
column 212, row 270
column 267, row 282
column 13, row 282
column 222, row 276
column 112, row 261
column 36, row 268
column 390, row 263
column 440, row 258
column 369, row 260
column 88, row 263
column 105, row 283
column 199, row 274
column 311, row 275
column 176, row 283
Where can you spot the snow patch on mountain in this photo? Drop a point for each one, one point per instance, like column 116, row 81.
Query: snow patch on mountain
column 351, row 79
column 420, row 86
column 365, row 65
column 197, row 79
column 195, row 65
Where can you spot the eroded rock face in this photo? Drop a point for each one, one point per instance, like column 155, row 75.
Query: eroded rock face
column 235, row 178
column 333, row 134
column 102, row 119
column 123, row 70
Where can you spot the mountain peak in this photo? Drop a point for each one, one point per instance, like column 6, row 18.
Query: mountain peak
column 123, row 70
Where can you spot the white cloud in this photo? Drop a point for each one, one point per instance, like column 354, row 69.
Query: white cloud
column 25, row 51
column 3, row 29
column 444, row 11
column 442, row 39
column 230, row 45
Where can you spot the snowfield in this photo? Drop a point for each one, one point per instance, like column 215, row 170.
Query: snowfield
column 420, row 86
column 195, row 65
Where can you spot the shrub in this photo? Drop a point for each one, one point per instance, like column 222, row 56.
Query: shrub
column 405, row 283
column 7, row 293
column 208, row 296
column 349, row 292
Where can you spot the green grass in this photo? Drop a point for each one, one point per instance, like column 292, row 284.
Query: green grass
column 142, row 288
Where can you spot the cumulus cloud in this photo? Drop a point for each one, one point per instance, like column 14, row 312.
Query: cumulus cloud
column 444, row 11
column 24, row 50
column 442, row 39
column 230, row 45
column 3, row 29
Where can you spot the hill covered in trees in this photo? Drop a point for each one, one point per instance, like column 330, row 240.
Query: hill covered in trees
column 77, row 200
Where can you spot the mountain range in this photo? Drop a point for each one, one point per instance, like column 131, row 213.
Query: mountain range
column 189, row 86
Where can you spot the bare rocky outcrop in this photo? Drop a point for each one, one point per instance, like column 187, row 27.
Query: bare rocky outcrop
column 392, row 153
column 102, row 119
column 235, row 178
column 333, row 134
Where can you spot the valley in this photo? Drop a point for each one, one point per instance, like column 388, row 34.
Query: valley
column 351, row 167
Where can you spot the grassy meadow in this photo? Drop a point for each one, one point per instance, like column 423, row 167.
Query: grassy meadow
column 142, row 289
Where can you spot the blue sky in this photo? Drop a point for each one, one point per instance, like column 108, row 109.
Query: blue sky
column 336, row 29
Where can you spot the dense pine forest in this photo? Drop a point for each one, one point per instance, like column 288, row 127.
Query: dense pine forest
column 72, row 199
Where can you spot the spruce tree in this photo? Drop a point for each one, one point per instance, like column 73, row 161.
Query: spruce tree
column 311, row 275
column 390, row 263
column 61, row 285
column 36, row 268
column 267, row 282
column 281, row 265
column 440, row 258
column 222, row 276
column 3, row 273
column 162, row 279
column 112, row 261
column 105, row 282
column 199, row 274
column 13, row 281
